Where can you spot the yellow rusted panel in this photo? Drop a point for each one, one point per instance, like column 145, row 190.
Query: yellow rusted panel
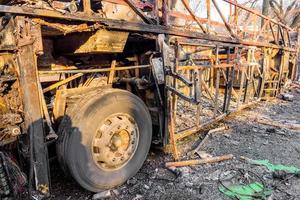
column 104, row 41
column 3, row 108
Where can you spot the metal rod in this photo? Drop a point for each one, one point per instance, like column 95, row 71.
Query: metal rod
column 224, row 20
column 133, row 26
column 55, row 85
column 257, row 13
column 241, row 87
column 91, row 70
column 217, row 86
column 186, row 5
column 200, row 161
column 87, row 7
column 139, row 12
column 227, row 86
column 112, row 72
column 185, row 133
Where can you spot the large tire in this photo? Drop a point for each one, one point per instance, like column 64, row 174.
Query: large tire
column 83, row 135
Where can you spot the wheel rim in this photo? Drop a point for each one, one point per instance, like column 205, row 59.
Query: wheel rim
column 115, row 141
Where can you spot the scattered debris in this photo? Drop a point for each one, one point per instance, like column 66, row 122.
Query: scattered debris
column 175, row 171
column 243, row 185
column 200, row 161
column 287, row 97
column 251, row 191
column 203, row 154
column 270, row 122
column 295, row 86
column 202, row 143
column 132, row 181
column 102, row 195
column 281, row 175
column 12, row 179
column 138, row 197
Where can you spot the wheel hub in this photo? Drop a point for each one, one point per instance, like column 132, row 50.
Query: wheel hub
column 115, row 142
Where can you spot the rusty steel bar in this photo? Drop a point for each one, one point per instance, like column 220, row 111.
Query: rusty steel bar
column 171, row 123
column 185, row 133
column 266, row 23
column 273, row 34
column 133, row 26
column 112, row 72
column 177, row 14
column 208, row 13
column 55, row 85
column 87, row 7
column 165, row 12
column 34, row 125
column 206, row 138
column 258, row 14
column 200, row 161
column 139, row 12
column 186, row 5
column 224, row 20
column 92, row 70
column 217, row 84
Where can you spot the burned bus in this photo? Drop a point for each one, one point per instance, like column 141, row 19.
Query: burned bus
column 94, row 83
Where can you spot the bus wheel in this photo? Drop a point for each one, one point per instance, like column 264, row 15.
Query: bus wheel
column 105, row 139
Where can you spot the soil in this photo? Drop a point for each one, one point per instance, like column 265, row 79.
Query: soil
column 245, row 137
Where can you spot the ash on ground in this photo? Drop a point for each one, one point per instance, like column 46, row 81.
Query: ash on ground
column 246, row 137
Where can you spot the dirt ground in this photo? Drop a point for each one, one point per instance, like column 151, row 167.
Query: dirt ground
column 246, row 137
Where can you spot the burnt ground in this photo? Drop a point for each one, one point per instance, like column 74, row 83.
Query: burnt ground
column 246, row 137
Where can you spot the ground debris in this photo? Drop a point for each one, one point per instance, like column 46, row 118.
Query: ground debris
column 102, row 195
column 208, row 136
column 287, row 97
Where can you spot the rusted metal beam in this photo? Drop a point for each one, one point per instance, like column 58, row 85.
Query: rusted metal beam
column 171, row 127
column 258, row 14
column 273, row 34
column 182, row 134
column 87, row 7
column 265, row 24
column 132, row 26
column 186, row 5
column 139, row 12
column 208, row 13
column 177, row 14
column 200, row 161
column 165, row 12
column 55, row 85
column 75, row 71
column 209, row 135
column 26, row 60
column 224, row 20
column 112, row 72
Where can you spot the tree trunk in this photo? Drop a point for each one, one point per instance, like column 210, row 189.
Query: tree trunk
column 265, row 9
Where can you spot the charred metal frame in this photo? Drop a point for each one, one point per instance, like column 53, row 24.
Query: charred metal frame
column 26, row 60
column 223, row 85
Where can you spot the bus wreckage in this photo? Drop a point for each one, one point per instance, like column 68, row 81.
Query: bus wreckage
column 94, row 83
